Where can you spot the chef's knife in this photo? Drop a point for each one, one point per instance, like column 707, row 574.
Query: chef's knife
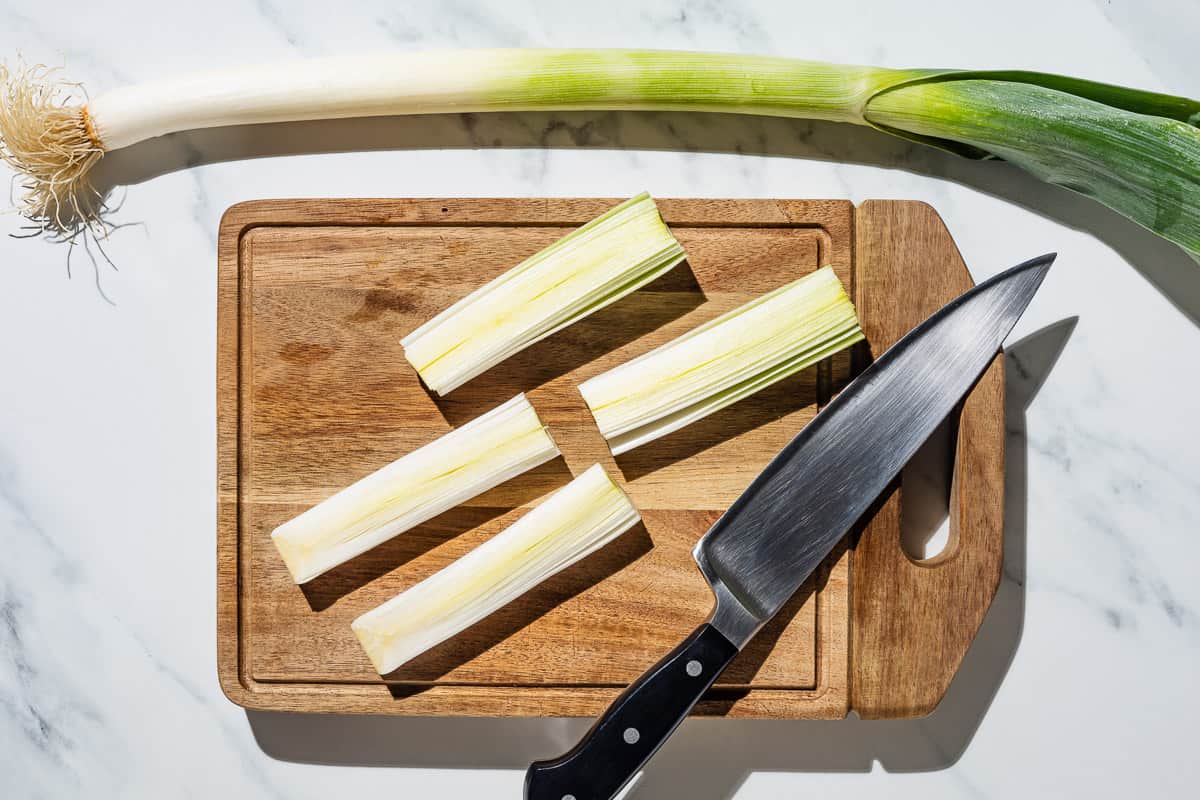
column 790, row 518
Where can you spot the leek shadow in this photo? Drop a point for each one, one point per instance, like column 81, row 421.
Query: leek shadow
column 666, row 298
column 325, row 590
column 768, row 405
column 1162, row 263
column 519, row 614
column 709, row 759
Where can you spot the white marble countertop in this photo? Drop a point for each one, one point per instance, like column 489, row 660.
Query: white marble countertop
column 1083, row 680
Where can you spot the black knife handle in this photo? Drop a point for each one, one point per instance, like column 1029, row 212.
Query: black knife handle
column 635, row 725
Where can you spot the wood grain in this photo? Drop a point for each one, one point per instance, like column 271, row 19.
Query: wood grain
column 313, row 393
column 912, row 621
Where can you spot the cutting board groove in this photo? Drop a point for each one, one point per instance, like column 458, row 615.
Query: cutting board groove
column 313, row 393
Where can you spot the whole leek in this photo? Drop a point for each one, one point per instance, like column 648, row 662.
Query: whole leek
column 1132, row 150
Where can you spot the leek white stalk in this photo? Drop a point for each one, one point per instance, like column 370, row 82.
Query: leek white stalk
column 722, row 361
column 463, row 463
column 597, row 264
column 1137, row 152
column 578, row 519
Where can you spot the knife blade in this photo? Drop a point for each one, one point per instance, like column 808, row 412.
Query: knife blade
column 791, row 516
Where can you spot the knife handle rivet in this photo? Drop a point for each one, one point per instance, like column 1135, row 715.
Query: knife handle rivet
column 631, row 735
column 694, row 668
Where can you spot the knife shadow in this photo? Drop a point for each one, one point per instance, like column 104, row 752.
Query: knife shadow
column 710, row 759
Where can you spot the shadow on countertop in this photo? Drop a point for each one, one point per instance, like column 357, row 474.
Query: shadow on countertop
column 1162, row 263
column 709, row 759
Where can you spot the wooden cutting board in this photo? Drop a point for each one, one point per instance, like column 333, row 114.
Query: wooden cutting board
column 313, row 392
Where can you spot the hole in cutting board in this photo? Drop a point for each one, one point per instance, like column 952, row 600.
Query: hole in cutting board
column 925, row 499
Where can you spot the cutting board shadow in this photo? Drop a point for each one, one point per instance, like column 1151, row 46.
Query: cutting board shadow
column 314, row 392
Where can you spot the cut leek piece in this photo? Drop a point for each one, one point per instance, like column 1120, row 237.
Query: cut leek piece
column 616, row 253
column 575, row 521
column 463, row 463
column 723, row 361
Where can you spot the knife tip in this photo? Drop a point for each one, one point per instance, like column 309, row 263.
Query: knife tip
column 1032, row 271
